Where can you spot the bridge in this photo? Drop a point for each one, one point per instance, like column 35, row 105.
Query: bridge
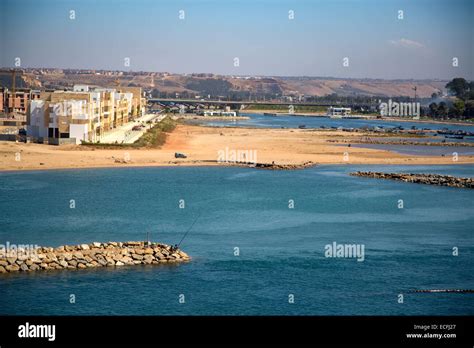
column 237, row 104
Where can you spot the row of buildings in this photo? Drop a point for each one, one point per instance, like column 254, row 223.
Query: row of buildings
column 17, row 102
column 81, row 114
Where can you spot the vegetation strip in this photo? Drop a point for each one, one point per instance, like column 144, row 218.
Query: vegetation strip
column 154, row 137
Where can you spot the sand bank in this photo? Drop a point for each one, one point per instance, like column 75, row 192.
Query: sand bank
column 202, row 146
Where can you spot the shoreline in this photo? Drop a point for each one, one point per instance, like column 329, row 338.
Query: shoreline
column 203, row 165
column 374, row 118
column 276, row 148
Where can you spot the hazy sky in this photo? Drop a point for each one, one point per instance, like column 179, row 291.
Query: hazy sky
column 258, row 32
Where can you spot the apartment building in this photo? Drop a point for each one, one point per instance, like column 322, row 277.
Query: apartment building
column 138, row 101
column 85, row 113
column 19, row 102
column 63, row 115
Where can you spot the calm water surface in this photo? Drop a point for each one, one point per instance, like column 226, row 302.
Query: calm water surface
column 281, row 249
column 262, row 121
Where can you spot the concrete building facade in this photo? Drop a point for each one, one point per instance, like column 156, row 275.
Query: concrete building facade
column 84, row 113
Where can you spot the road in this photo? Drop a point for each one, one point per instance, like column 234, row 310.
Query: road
column 125, row 135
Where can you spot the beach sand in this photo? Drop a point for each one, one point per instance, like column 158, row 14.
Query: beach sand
column 202, row 144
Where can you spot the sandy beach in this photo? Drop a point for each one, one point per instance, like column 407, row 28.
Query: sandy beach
column 202, row 145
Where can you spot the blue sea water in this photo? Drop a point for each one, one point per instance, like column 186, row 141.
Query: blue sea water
column 294, row 121
column 281, row 249
column 421, row 150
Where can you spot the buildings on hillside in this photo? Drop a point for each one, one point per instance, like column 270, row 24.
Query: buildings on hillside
column 17, row 103
column 83, row 114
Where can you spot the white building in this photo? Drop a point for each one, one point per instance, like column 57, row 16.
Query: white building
column 220, row 113
column 67, row 119
column 337, row 111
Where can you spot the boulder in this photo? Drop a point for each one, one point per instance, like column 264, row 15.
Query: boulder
column 102, row 262
column 11, row 260
column 78, row 255
column 126, row 259
column 12, row 268
column 84, row 246
column 159, row 256
column 119, row 263
column 148, row 259
column 148, row 251
column 54, row 265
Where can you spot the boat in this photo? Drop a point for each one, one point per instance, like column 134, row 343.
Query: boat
column 269, row 114
column 455, row 136
column 302, row 126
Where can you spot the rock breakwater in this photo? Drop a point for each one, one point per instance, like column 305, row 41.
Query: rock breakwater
column 111, row 254
column 427, row 179
column 400, row 142
column 273, row 166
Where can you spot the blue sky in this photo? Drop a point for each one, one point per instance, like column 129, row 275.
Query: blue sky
column 258, row 32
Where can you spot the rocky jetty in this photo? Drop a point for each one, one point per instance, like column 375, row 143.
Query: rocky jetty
column 460, row 291
column 111, row 254
column 400, row 142
column 428, row 179
column 274, row 166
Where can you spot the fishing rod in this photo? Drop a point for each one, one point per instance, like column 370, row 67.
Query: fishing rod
column 189, row 229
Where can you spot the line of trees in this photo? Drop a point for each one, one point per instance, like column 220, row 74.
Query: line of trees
column 462, row 107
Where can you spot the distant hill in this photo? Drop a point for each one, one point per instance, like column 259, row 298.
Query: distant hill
column 216, row 85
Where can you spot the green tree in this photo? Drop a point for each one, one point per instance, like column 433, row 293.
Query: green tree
column 442, row 110
column 459, row 107
column 433, row 110
column 459, row 87
column 469, row 109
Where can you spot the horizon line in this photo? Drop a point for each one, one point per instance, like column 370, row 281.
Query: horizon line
column 237, row 75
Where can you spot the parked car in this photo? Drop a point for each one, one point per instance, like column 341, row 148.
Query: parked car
column 137, row 128
column 22, row 131
column 180, row 155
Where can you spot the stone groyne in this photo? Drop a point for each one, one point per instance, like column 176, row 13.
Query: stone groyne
column 401, row 142
column 427, row 179
column 111, row 254
column 270, row 166
column 274, row 166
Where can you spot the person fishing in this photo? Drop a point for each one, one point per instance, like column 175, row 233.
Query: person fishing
column 176, row 246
